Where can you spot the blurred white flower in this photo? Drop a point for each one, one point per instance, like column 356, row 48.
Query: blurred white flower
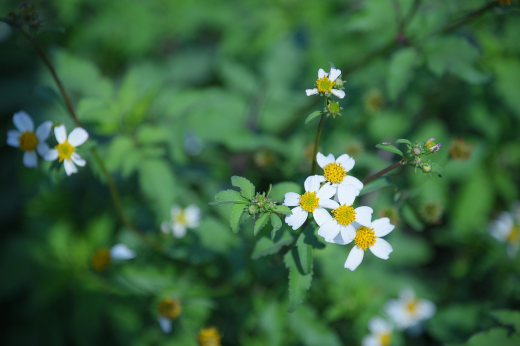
column 369, row 237
column 169, row 309
column 28, row 140
column 65, row 150
column 121, row 252
column 335, row 171
column 314, row 200
column 181, row 220
column 408, row 310
column 102, row 257
column 506, row 230
column 325, row 84
column 381, row 333
column 340, row 228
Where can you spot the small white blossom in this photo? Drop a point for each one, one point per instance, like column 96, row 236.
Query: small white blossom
column 65, row 150
column 381, row 333
column 408, row 310
column 121, row 252
column 181, row 220
column 325, row 84
column 505, row 230
column 335, row 170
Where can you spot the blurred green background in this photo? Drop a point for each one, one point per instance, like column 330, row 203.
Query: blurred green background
column 180, row 95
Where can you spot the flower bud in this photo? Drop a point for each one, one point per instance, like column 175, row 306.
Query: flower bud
column 418, row 161
column 333, row 108
column 252, row 209
column 416, row 151
column 426, row 168
column 339, row 83
column 432, row 146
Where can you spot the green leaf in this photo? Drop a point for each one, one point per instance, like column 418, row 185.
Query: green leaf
column 246, row 187
column 266, row 246
column 261, row 222
column 391, row 148
column 312, row 116
column 236, row 217
column 375, row 185
column 304, row 255
column 508, row 318
column 310, row 238
column 282, row 209
column 495, row 336
column 400, row 71
column 404, row 141
column 229, row 196
column 157, row 182
column 276, row 222
column 298, row 283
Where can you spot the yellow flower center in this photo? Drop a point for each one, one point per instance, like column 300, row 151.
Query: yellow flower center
column 65, row 150
column 344, row 215
column 324, row 85
column 365, row 237
column 309, row 201
column 514, row 235
column 101, row 259
column 181, row 218
column 334, row 172
column 209, row 337
column 169, row 308
column 385, row 338
column 411, row 306
column 28, row 141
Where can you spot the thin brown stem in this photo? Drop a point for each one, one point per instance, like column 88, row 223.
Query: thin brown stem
column 386, row 170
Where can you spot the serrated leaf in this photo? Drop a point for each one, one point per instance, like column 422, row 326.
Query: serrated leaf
column 276, row 222
column 390, row 148
column 310, row 238
column 260, row 223
column 508, row 318
column 298, row 283
column 246, row 187
column 312, row 116
column 304, row 255
column 266, row 246
column 236, row 217
column 375, row 185
column 229, row 196
column 282, row 209
column 404, row 141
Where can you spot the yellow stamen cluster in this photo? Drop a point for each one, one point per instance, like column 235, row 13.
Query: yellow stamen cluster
column 181, row 218
column 334, row 172
column 365, row 237
column 514, row 235
column 411, row 306
column 28, row 141
column 344, row 215
column 385, row 339
column 169, row 308
column 65, row 151
column 309, row 201
column 101, row 259
column 209, row 337
column 324, row 85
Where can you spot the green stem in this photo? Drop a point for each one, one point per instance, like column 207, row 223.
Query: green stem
column 317, row 142
column 386, row 170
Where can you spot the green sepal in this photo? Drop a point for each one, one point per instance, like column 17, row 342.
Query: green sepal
column 391, row 148
column 312, row 116
column 246, row 187
column 229, row 196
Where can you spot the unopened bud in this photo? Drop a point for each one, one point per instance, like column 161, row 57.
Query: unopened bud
column 252, row 209
column 416, row 151
column 418, row 161
column 339, row 82
column 426, row 168
column 333, row 108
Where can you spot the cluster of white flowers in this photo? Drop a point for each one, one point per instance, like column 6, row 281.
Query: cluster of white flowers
column 343, row 224
column 181, row 220
column 507, row 229
column 31, row 141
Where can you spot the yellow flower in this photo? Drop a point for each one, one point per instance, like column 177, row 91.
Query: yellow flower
column 209, row 337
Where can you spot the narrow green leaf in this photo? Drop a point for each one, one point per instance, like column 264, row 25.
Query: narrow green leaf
column 404, row 141
column 266, row 246
column 391, row 148
column 260, row 223
column 312, row 116
column 375, row 185
column 282, row 209
column 228, row 196
column 508, row 318
column 276, row 222
column 236, row 217
column 246, row 187
column 298, row 283
column 304, row 255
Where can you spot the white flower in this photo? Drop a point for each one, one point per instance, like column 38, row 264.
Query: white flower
column 408, row 311
column 344, row 217
column 169, row 309
column 102, row 257
column 505, row 230
column 325, row 84
column 27, row 139
column 181, row 219
column 312, row 201
column 121, row 252
column 369, row 237
column 335, row 171
column 381, row 333
column 65, row 148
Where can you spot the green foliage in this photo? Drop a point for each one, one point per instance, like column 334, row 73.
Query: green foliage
column 390, row 148
column 312, row 116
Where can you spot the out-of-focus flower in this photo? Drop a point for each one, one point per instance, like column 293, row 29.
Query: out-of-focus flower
column 408, row 310
column 335, row 171
column 28, row 140
column 373, row 101
column 314, row 200
column 506, row 230
column 65, row 151
column 369, row 237
column 504, row 2
column 432, row 146
column 354, row 148
column 181, row 220
column 340, row 228
column 264, row 158
column 432, row 212
column 380, row 333
column 102, row 257
column 169, row 309
column 209, row 337
column 391, row 213
column 460, row 150
column 325, row 84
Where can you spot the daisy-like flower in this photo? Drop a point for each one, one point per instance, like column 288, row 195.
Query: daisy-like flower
column 505, row 230
column 28, row 140
column 432, row 146
column 381, row 333
column 169, row 309
column 325, row 84
column 344, row 217
column 181, row 220
column 369, row 237
column 408, row 310
column 335, row 171
column 65, row 150
column 314, row 200
column 209, row 337
column 102, row 257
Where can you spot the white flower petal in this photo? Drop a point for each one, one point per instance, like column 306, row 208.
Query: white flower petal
column 175, row 211
column 425, row 309
column 348, row 233
column 346, row 161
column 61, row 133
column 354, row 258
column 321, row 73
column 165, row 227
column 43, row 131
column 311, row 92
column 350, row 180
column 192, row 213
column 377, row 325
column 328, row 203
column 297, row 218
column 334, row 74
column 13, row 138
column 51, row 155
column 321, row 216
column 70, row 168
column 339, row 93
column 166, row 324
column 320, row 158
column 506, row 218
column 30, row 160
column 326, row 191
column 381, row 248
column 292, row 199
column 42, row 149
column 407, row 294
column 382, row 226
column 121, row 252
column 346, row 194
column 179, row 230
column 312, row 183
column 338, row 239
column 364, row 216
column 78, row 136
column 78, row 160
column 329, row 230
column 23, row 122
column 370, row 340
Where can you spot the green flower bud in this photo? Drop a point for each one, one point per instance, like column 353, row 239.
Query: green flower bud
column 426, row 168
